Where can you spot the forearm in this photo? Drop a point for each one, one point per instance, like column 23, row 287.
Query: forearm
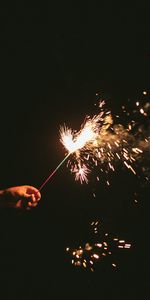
column 5, row 198
column 2, row 197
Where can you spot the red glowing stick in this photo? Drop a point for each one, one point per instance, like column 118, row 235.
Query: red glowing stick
column 52, row 174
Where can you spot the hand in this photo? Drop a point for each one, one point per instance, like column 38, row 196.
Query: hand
column 21, row 197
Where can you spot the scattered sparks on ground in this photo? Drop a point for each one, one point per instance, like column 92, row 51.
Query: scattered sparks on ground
column 89, row 255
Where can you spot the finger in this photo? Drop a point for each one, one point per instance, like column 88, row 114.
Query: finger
column 38, row 196
column 18, row 204
column 28, row 197
column 33, row 198
column 31, row 204
column 32, row 190
column 34, row 204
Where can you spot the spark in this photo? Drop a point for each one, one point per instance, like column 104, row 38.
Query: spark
column 136, row 150
column 81, row 173
column 142, row 111
column 144, row 93
column 96, row 256
column 114, row 265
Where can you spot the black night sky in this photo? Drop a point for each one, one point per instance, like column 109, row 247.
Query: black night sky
column 54, row 59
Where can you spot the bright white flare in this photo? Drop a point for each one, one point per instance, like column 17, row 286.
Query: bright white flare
column 67, row 138
column 73, row 141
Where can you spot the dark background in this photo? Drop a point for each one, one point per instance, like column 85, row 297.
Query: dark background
column 53, row 60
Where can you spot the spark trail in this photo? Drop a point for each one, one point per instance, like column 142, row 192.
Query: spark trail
column 103, row 144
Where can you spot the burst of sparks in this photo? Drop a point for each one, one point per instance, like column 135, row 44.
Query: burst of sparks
column 75, row 141
column 90, row 254
column 81, row 173
column 101, row 143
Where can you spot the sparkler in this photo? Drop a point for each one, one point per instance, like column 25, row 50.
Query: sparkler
column 101, row 143
column 87, row 134
column 52, row 174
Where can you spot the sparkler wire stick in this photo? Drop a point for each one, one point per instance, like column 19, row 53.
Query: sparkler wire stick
column 51, row 175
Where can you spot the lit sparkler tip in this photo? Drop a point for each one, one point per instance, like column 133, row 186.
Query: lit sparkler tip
column 66, row 138
column 100, row 143
column 74, row 141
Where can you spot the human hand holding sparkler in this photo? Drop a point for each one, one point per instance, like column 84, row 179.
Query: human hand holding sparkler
column 20, row 197
column 74, row 142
